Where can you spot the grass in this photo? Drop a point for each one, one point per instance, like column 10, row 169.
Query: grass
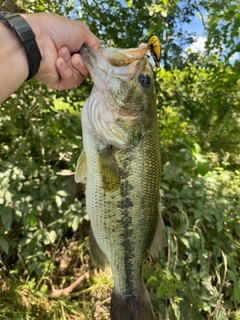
column 25, row 298
column 25, row 301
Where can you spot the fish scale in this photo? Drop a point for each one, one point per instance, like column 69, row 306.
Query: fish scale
column 122, row 186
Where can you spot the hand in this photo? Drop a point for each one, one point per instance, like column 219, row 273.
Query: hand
column 71, row 69
column 59, row 39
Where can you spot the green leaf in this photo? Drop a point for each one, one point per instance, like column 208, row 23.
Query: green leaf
column 129, row 3
column 219, row 226
column 203, row 168
column 232, row 275
column 4, row 245
column 44, row 288
column 32, row 220
column 6, row 217
column 160, row 291
column 197, row 147
column 221, row 315
column 185, row 241
column 8, row 196
column 52, row 236
column 58, row 200
column 236, row 291
column 151, row 279
column 62, row 193
column 75, row 223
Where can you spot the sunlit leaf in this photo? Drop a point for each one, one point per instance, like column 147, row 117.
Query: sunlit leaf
column 58, row 200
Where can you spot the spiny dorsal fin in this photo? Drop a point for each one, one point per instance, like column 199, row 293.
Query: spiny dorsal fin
column 157, row 247
column 81, row 167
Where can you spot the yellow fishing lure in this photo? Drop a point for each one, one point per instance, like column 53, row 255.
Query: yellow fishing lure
column 154, row 47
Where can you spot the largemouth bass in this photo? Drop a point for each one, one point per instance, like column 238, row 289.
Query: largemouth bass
column 121, row 163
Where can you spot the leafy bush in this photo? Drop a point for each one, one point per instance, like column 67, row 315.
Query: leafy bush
column 36, row 209
column 200, row 204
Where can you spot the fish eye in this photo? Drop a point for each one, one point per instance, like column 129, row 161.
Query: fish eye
column 144, row 80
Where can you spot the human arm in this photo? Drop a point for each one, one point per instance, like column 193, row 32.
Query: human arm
column 58, row 38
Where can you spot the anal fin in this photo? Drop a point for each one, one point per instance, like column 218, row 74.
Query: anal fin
column 157, row 246
column 96, row 252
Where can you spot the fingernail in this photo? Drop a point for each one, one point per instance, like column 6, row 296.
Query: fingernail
column 62, row 64
column 77, row 64
column 66, row 56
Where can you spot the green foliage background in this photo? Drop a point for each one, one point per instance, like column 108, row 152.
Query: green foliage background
column 43, row 225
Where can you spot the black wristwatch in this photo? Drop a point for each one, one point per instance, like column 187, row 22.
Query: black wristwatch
column 24, row 32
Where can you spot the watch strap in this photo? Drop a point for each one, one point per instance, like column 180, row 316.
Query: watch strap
column 25, row 34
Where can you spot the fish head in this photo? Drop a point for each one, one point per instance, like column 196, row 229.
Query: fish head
column 122, row 103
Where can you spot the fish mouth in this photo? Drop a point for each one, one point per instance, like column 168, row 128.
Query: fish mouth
column 93, row 60
column 100, row 61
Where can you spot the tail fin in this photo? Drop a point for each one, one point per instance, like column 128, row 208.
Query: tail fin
column 131, row 307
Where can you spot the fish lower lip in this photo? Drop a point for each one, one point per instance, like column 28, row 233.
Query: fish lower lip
column 83, row 49
column 95, row 61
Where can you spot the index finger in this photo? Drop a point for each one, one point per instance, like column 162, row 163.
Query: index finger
column 91, row 40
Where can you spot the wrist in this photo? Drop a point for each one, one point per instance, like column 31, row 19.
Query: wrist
column 35, row 22
column 26, row 37
column 14, row 50
column 13, row 59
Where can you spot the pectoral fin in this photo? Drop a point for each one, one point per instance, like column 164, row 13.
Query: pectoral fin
column 97, row 254
column 157, row 247
column 81, row 167
column 109, row 171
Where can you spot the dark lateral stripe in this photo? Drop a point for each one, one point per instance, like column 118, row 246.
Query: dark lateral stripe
column 125, row 205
